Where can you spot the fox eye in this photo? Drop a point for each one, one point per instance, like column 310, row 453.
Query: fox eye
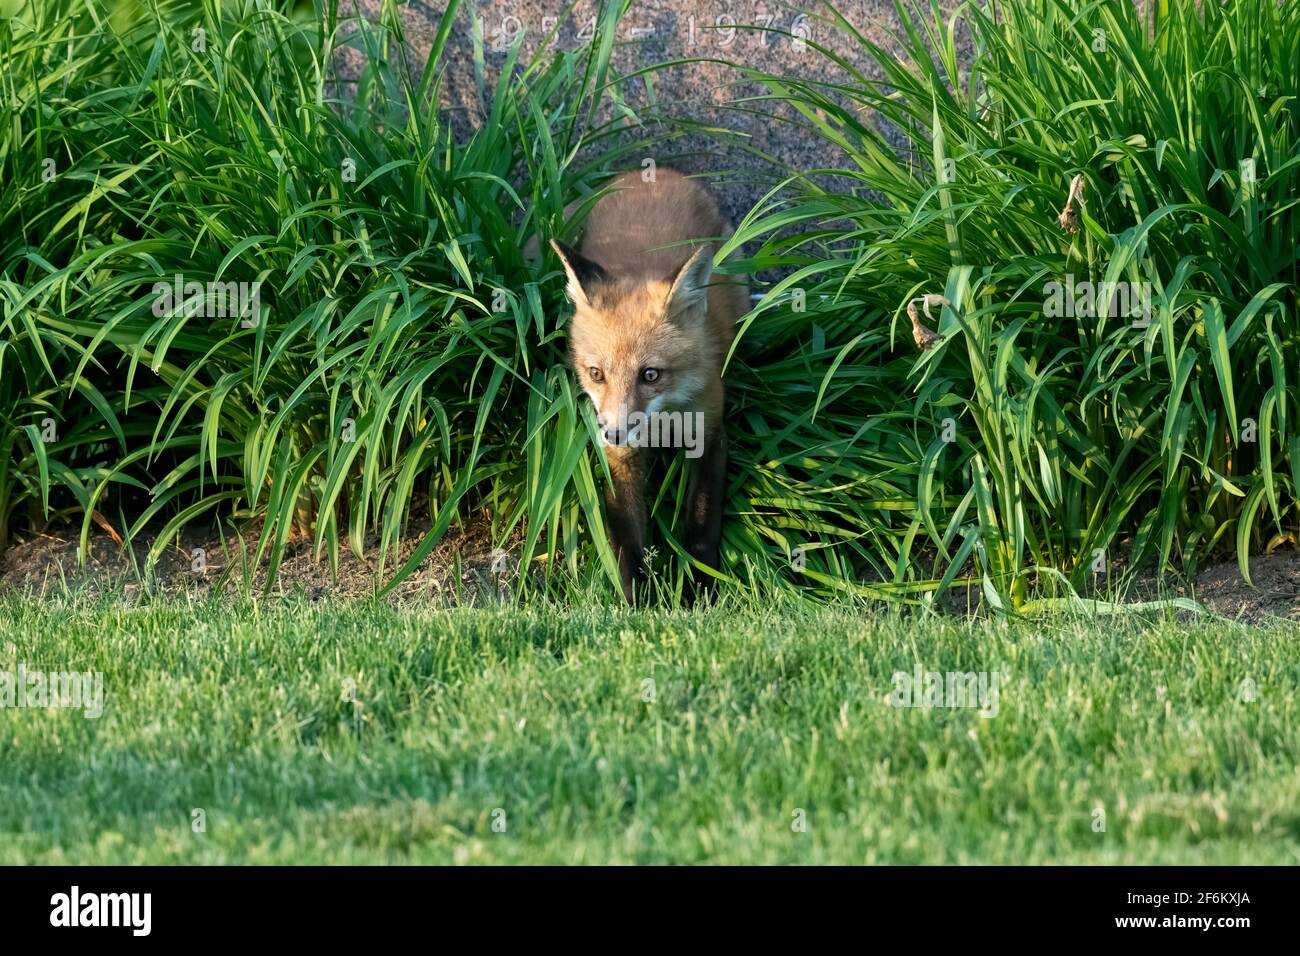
column 596, row 374
column 649, row 375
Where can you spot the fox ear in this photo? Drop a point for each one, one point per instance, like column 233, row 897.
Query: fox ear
column 690, row 288
column 582, row 272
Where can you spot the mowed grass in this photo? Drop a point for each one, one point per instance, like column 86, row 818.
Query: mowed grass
column 537, row 718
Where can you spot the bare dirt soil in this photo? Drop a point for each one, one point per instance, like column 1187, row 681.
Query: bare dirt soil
column 462, row 568
column 1274, row 590
column 465, row 568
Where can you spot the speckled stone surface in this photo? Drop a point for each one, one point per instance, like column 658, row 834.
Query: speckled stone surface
column 655, row 31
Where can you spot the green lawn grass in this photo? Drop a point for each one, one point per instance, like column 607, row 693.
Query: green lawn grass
column 540, row 712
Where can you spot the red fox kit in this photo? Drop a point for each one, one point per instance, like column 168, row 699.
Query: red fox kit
column 651, row 328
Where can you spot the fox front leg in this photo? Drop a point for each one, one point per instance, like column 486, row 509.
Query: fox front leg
column 705, row 498
column 626, row 518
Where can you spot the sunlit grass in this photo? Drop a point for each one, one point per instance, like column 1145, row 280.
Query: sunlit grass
column 408, row 372
column 405, row 350
column 1030, row 438
column 319, row 733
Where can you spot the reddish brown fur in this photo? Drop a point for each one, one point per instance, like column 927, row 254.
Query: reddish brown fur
column 649, row 301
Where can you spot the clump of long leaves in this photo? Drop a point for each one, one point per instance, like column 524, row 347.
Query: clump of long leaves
column 1027, row 439
column 408, row 355
column 406, row 350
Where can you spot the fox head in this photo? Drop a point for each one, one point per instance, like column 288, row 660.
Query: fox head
column 639, row 344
